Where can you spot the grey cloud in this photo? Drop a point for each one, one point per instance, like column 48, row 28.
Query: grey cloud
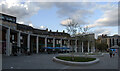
column 109, row 17
column 25, row 10
column 80, row 11
column 100, row 31
column 69, row 9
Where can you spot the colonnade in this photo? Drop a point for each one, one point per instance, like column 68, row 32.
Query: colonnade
column 37, row 42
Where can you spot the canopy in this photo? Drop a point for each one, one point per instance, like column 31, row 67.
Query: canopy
column 115, row 47
column 48, row 47
column 56, row 48
column 65, row 48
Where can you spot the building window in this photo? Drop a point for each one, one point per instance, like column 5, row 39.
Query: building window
column 3, row 17
column 117, row 41
column 48, row 40
column 51, row 41
column 59, row 42
column 12, row 37
column 21, row 37
column 113, row 41
column 110, row 43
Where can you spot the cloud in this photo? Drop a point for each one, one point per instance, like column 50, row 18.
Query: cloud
column 31, row 25
column 22, row 10
column 80, row 11
column 66, row 22
column 21, row 22
column 109, row 17
column 70, row 8
column 15, row 8
column 27, row 22
column 42, row 27
column 83, row 11
column 100, row 31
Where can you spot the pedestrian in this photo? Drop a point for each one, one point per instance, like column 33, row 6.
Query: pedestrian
column 113, row 53
column 110, row 53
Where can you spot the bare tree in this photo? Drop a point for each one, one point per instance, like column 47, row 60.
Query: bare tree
column 74, row 29
column 83, row 30
column 71, row 28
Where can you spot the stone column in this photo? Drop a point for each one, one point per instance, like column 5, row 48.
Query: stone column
column 76, row 45
column 111, row 42
column 8, row 42
column 28, row 42
column 53, row 42
column 37, row 44
column 68, row 44
column 82, row 47
column 115, row 41
column 61, row 43
column 88, row 47
column 93, row 47
column 45, row 43
column 18, row 41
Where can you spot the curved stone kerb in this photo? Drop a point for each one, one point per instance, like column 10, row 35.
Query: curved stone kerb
column 75, row 63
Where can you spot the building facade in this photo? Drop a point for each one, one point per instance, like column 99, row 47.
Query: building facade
column 109, row 40
column 20, row 38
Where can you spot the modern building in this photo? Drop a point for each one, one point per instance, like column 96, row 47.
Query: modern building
column 20, row 38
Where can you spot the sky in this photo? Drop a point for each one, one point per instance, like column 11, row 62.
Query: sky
column 100, row 17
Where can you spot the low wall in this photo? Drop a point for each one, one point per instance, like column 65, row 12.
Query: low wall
column 75, row 63
column 82, row 55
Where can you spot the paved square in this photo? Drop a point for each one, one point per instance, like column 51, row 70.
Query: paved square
column 44, row 61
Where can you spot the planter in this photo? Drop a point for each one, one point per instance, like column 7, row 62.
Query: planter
column 83, row 55
column 75, row 63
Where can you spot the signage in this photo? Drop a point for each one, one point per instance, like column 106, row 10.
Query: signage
column 8, row 18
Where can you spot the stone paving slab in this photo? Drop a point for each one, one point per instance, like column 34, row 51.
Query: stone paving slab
column 105, row 63
column 31, row 62
column 44, row 61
